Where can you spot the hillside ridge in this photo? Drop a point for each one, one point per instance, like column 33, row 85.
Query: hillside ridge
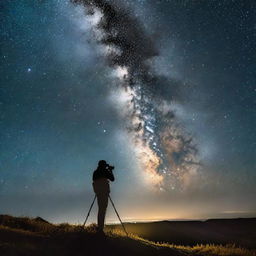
column 23, row 236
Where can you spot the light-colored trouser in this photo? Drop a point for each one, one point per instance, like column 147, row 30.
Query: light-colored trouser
column 102, row 199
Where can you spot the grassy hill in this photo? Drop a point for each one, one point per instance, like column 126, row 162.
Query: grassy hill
column 26, row 236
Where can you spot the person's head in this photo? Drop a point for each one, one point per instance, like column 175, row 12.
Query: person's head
column 102, row 164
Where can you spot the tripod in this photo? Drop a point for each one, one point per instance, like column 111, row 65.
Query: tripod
column 114, row 209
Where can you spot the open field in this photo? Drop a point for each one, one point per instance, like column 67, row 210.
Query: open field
column 26, row 236
column 241, row 232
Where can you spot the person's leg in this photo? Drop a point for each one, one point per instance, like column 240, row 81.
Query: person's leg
column 102, row 205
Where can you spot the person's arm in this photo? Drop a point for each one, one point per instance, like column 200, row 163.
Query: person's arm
column 110, row 175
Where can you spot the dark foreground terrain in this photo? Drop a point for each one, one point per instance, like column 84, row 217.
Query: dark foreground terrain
column 241, row 232
column 37, row 237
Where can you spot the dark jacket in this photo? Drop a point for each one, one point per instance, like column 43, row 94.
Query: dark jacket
column 103, row 173
column 101, row 178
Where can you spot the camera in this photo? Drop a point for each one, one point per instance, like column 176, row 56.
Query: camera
column 109, row 167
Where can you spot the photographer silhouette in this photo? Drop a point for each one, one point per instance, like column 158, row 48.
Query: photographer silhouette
column 101, row 187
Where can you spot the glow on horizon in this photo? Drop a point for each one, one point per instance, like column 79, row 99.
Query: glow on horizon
column 195, row 217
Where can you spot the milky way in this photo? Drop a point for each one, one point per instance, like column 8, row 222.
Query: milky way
column 167, row 153
column 163, row 90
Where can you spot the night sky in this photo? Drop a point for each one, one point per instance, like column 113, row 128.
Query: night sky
column 163, row 90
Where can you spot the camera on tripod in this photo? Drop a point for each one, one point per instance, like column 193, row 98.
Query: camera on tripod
column 109, row 167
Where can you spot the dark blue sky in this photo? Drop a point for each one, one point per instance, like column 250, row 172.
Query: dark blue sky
column 60, row 111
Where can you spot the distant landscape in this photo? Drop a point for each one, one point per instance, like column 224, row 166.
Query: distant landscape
column 24, row 236
column 241, row 231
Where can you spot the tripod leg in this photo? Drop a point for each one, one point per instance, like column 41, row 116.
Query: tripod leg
column 118, row 215
column 89, row 211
